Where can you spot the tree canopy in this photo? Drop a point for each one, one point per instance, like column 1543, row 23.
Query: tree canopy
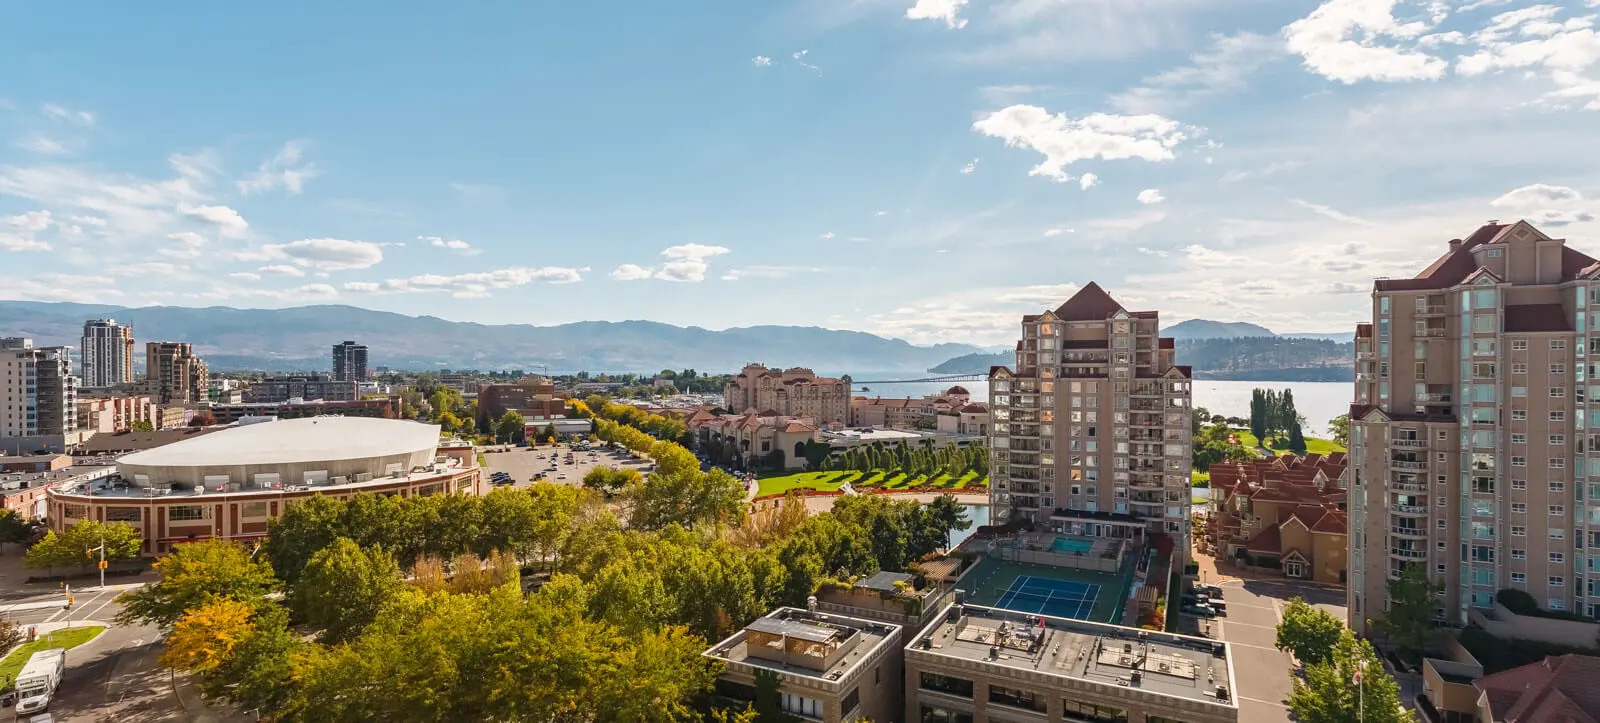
column 194, row 575
column 1310, row 634
column 1330, row 691
column 1412, row 600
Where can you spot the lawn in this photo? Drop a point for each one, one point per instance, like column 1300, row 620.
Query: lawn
column 66, row 638
column 1199, row 479
column 1314, row 445
column 829, row 481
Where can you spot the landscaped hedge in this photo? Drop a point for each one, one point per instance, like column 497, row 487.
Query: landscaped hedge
column 1521, row 603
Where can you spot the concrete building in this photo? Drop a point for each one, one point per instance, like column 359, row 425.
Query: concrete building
column 894, row 412
column 111, row 414
column 273, row 390
column 38, row 394
column 534, row 398
column 173, row 374
column 350, row 362
column 229, row 483
column 830, row 668
column 106, row 357
column 385, row 408
column 1475, row 465
column 1286, row 513
column 795, row 392
column 970, row 420
column 976, row 665
column 747, row 440
column 1090, row 430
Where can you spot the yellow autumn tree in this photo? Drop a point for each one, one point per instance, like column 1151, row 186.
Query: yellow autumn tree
column 204, row 638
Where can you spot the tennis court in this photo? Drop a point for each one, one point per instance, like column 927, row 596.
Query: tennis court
column 1060, row 598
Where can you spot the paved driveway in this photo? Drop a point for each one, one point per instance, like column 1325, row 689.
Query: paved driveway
column 522, row 462
column 1262, row 673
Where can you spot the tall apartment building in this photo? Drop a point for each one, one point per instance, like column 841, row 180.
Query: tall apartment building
column 794, row 392
column 37, row 390
column 173, row 374
column 1476, row 464
column 106, row 358
column 350, row 362
column 1090, row 431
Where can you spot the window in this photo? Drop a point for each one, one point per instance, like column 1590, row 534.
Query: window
column 1556, row 604
column 1519, row 461
column 1518, row 438
column 1519, row 392
column 1518, row 554
column 1558, row 439
column 1016, row 698
column 933, row 714
column 178, row 513
column 1494, row 253
column 1079, row 710
column 1558, row 369
column 947, row 684
column 1557, row 510
column 1519, row 345
column 1519, row 531
column 1519, row 484
column 1519, row 368
column 1519, row 578
column 1519, row 415
column 1558, row 392
column 1557, row 533
column 851, row 700
column 1558, row 486
column 1557, row 344
column 1557, row 581
column 1519, row 508
column 253, row 509
column 123, row 514
column 801, row 705
column 1557, row 462
column 1558, row 416
column 1557, row 558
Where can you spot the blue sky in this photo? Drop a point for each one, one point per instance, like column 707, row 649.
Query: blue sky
column 927, row 169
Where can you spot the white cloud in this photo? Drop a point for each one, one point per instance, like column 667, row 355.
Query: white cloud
column 1534, row 39
column 324, row 254
column 630, row 272
column 281, row 270
column 693, row 251
column 1064, row 141
column 1267, row 171
column 42, row 144
column 189, row 245
column 947, row 10
column 799, row 57
column 1054, row 232
column 32, row 221
column 147, row 268
column 245, row 276
column 881, row 213
column 1088, row 181
column 198, row 166
column 1151, row 196
column 468, row 286
column 971, row 166
column 1330, row 212
column 1224, row 67
column 18, row 233
column 1151, row 252
column 285, row 169
column 761, row 61
column 78, row 288
column 457, row 245
column 1199, row 255
column 18, row 242
column 227, row 220
column 767, row 272
column 1546, row 205
column 827, row 235
column 1354, row 40
column 133, row 207
column 75, row 117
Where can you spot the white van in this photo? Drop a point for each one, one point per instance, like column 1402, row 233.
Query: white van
column 38, row 680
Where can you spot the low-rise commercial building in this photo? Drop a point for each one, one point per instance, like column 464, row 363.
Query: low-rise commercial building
column 302, row 386
column 112, row 414
column 534, row 398
column 227, row 484
column 830, row 668
column 968, row 420
column 975, row 665
column 387, row 408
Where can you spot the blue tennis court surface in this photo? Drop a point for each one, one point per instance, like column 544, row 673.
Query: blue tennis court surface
column 1059, row 598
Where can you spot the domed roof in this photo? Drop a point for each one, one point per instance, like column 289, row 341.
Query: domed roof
column 957, row 390
column 294, row 441
column 974, row 408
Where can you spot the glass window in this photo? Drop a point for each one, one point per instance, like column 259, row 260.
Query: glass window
column 178, row 513
column 1091, row 713
column 947, row 684
column 1483, row 323
column 1483, row 299
column 1383, row 305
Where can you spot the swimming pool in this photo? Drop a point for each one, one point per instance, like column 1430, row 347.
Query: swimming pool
column 1072, row 545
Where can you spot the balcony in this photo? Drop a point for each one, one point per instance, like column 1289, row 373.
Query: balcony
column 1405, row 554
column 1434, row 398
column 1416, row 487
column 1407, row 464
column 1409, row 510
column 1409, row 532
column 1432, row 333
column 1408, row 443
column 1433, row 310
column 1366, row 376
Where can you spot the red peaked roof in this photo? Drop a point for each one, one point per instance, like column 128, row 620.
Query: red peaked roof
column 1091, row 303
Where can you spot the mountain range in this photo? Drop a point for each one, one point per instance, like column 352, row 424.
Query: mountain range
column 300, row 338
column 1207, row 329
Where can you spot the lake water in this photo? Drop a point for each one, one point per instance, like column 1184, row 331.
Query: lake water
column 1317, row 401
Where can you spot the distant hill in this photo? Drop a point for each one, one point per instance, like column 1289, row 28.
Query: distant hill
column 1207, row 329
column 1340, row 336
column 975, row 363
column 300, row 338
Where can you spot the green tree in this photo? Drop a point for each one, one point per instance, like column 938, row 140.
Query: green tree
column 300, row 531
column 510, row 427
column 343, row 587
column 1330, row 692
column 1340, row 426
column 549, row 432
column 1412, row 600
column 1297, row 440
column 76, row 546
column 945, row 514
column 689, row 498
column 1258, row 414
column 768, row 703
column 1307, row 632
column 142, row 426
column 196, row 574
column 13, row 529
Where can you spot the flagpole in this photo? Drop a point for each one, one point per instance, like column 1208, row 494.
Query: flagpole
column 1361, row 692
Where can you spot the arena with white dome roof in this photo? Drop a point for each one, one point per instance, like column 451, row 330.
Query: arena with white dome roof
column 229, row 483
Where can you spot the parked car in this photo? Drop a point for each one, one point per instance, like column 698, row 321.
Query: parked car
column 1212, row 591
column 1203, row 611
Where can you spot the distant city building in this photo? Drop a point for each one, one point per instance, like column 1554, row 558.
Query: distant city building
column 173, row 374
column 970, row 420
column 106, row 357
column 794, row 392
column 350, row 362
column 907, row 412
column 1471, row 428
column 302, row 386
column 387, row 408
column 748, row 440
column 1285, row 513
column 228, row 484
column 534, row 398
column 112, row 414
column 459, row 381
column 830, row 668
column 1090, row 430
column 38, row 394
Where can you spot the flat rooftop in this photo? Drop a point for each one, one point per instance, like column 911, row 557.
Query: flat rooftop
column 107, row 487
column 855, row 638
column 874, row 435
column 18, row 482
column 292, row 441
column 1155, row 662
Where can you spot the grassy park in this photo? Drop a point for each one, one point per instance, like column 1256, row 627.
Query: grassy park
column 66, row 638
column 832, row 480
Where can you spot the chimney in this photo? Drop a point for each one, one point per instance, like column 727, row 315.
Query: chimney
column 1455, row 243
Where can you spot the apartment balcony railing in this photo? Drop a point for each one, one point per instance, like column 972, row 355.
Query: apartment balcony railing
column 1434, row 398
column 1366, row 376
column 1408, row 509
column 1407, row 464
column 1404, row 554
column 1411, row 443
column 1432, row 333
column 1433, row 310
column 1409, row 532
column 1409, row 487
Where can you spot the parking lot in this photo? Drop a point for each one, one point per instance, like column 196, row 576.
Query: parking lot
column 1254, row 606
column 523, row 462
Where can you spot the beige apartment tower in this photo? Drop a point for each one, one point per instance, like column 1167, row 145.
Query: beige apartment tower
column 1470, row 430
column 174, row 375
column 1090, row 430
column 794, row 392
